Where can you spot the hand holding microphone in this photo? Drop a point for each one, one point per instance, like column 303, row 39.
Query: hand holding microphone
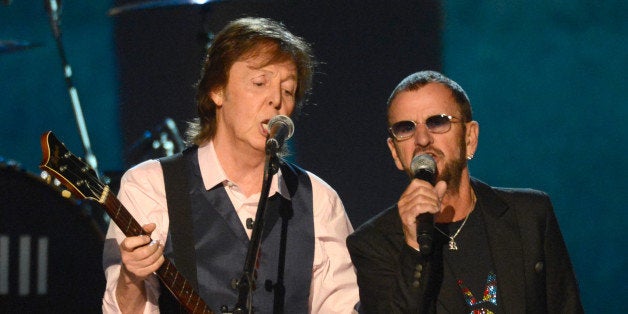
column 419, row 202
column 424, row 168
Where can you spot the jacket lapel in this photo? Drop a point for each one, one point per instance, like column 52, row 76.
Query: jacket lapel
column 506, row 247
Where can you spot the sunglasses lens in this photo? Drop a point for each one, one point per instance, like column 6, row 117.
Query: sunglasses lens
column 438, row 124
column 435, row 124
column 402, row 129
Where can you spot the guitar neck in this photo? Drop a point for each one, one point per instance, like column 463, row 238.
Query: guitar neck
column 167, row 272
column 78, row 177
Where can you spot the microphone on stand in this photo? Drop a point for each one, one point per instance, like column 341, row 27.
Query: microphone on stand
column 424, row 168
column 280, row 129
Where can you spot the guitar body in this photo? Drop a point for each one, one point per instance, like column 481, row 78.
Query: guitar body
column 80, row 179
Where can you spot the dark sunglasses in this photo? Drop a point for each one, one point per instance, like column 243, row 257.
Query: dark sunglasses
column 440, row 123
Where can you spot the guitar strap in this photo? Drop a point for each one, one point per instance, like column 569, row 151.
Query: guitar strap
column 178, row 200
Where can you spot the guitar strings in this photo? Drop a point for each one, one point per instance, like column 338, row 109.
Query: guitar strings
column 97, row 188
column 168, row 272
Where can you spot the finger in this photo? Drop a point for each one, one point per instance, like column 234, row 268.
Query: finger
column 141, row 271
column 143, row 260
column 414, row 194
column 149, row 228
column 131, row 243
column 441, row 188
column 149, row 254
column 152, row 267
column 419, row 200
column 428, row 206
column 145, row 253
column 417, row 185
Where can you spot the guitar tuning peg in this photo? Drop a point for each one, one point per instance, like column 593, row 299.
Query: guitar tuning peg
column 54, row 181
column 49, row 179
column 45, row 176
column 66, row 194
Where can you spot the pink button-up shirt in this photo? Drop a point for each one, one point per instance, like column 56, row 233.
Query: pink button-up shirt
column 333, row 289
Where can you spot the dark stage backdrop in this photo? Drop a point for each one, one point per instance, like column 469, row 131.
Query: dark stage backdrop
column 364, row 49
column 546, row 79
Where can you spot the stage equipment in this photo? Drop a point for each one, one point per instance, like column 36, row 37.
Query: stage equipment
column 53, row 7
column 50, row 248
column 7, row 46
column 163, row 140
column 156, row 4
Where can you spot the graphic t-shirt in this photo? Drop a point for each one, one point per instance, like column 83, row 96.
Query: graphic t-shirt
column 469, row 282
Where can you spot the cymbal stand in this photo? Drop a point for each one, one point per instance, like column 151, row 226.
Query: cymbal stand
column 53, row 7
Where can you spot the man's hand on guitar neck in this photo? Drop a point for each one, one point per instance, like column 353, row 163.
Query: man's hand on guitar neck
column 141, row 257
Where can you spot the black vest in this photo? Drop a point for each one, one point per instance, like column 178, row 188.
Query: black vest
column 220, row 243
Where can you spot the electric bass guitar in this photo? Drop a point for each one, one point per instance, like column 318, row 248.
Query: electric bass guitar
column 80, row 179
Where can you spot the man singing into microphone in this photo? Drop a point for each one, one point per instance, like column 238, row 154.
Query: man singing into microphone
column 493, row 250
column 254, row 71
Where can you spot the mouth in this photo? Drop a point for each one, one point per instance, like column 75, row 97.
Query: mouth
column 433, row 154
column 264, row 127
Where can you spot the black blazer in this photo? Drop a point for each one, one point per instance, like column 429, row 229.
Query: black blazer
column 533, row 268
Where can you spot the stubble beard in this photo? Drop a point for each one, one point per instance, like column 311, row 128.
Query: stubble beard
column 452, row 172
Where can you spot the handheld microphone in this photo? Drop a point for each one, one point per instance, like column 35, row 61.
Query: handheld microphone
column 280, row 129
column 424, row 168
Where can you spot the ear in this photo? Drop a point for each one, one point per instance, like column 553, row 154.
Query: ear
column 393, row 153
column 217, row 96
column 471, row 138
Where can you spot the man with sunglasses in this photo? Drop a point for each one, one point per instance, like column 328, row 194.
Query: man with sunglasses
column 493, row 250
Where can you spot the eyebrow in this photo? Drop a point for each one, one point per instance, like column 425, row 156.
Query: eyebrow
column 292, row 77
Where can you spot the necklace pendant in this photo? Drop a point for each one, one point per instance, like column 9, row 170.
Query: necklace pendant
column 452, row 245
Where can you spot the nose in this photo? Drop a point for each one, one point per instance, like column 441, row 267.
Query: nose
column 422, row 137
column 274, row 97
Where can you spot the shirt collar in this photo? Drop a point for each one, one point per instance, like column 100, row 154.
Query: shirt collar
column 213, row 174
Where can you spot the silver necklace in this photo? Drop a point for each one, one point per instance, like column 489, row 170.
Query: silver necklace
column 453, row 246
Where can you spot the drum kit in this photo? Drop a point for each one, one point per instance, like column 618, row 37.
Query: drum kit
column 50, row 242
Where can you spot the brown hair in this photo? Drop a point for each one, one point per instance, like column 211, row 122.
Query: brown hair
column 243, row 38
column 419, row 79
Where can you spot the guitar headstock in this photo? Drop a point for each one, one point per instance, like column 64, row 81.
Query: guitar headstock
column 74, row 173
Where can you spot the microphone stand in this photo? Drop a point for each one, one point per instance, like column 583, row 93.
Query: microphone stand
column 53, row 9
column 246, row 284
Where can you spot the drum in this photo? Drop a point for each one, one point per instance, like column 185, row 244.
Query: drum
column 50, row 248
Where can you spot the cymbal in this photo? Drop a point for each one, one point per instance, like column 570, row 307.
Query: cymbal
column 15, row 45
column 155, row 4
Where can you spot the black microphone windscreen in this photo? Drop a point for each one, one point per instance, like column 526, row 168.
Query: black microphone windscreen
column 424, row 168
